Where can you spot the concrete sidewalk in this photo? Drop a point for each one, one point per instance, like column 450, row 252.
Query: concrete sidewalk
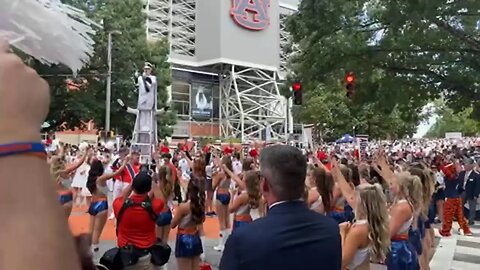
column 458, row 252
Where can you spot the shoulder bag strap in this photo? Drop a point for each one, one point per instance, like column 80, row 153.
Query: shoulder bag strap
column 126, row 204
column 147, row 205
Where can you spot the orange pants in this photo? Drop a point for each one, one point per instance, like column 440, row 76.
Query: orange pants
column 453, row 207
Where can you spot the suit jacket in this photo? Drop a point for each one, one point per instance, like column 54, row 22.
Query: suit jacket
column 472, row 186
column 291, row 236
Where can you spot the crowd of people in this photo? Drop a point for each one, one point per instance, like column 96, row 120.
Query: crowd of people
column 384, row 200
column 334, row 207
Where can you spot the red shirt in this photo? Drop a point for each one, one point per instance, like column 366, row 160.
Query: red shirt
column 126, row 177
column 228, row 150
column 136, row 226
column 253, row 153
column 164, row 149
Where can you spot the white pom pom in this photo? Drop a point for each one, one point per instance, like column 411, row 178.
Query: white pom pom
column 48, row 30
column 83, row 146
column 110, row 146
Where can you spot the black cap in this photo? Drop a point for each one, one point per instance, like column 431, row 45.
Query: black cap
column 142, row 183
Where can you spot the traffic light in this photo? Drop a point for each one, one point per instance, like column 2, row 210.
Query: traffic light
column 350, row 84
column 297, row 93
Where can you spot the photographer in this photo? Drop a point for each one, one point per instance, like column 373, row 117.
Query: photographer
column 136, row 215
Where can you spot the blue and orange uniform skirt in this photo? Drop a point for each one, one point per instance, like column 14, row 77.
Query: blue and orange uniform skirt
column 403, row 255
column 188, row 243
column 65, row 197
column 341, row 214
column 165, row 217
column 240, row 221
column 98, row 205
column 223, row 196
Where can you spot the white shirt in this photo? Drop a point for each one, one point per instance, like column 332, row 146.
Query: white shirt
column 184, row 166
column 237, row 167
column 439, row 177
column 467, row 174
column 282, row 202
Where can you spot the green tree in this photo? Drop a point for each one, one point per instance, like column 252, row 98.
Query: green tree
column 337, row 115
column 450, row 121
column 130, row 50
column 404, row 53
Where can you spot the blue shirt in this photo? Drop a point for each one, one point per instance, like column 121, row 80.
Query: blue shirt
column 451, row 188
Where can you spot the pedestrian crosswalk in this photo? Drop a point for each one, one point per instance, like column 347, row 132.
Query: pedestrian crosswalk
column 458, row 252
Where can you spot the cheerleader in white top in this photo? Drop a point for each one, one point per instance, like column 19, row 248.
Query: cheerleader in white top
column 367, row 238
column 407, row 191
column 247, row 204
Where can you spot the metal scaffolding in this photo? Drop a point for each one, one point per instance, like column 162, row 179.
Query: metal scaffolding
column 174, row 20
column 250, row 103
column 251, row 106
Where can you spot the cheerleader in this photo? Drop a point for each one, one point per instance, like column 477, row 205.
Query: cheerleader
column 319, row 182
column 164, row 179
column 247, row 204
column 338, row 207
column 63, row 179
column 188, row 217
column 221, row 185
column 98, row 209
column 368, row 238
column 407, row 195
column 439, row 195
column 423, row 223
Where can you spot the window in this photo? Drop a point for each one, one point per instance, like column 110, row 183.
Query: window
column 181, row 98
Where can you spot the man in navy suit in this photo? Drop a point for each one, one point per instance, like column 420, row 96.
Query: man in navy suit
column 469, row 187
column 290, row 236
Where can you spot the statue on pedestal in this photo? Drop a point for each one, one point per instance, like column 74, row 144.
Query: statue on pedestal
column 145, row 131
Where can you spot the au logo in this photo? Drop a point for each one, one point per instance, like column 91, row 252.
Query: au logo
column 251, row 14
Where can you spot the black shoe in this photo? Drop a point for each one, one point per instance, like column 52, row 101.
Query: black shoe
column 471, row 223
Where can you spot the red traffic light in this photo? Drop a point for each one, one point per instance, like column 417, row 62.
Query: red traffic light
column 297, row 86
column 350, row 78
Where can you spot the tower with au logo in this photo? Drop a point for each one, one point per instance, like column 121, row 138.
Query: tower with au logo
column 228, row 61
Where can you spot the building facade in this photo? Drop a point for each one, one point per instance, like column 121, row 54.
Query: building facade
column 228, row 58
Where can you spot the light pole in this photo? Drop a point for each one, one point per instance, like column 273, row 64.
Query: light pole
column 108, row 98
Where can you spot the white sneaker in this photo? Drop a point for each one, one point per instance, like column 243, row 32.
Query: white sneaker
column 219, row 248
column 202, row 257
column 112, row 216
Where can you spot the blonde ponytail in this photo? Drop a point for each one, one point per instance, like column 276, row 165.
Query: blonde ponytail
column 373, row 204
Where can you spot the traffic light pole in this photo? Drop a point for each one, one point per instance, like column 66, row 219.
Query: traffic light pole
column 290, row 116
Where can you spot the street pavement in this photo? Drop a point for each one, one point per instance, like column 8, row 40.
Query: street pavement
column 458, row 252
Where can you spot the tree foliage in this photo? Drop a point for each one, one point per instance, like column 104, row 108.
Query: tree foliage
column 130, row 49
column 404, row 53
column 337, row 116
column 450, row 121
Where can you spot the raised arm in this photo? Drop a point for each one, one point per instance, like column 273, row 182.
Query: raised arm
column 23, row 107
column 77, row 164
column 104, row 177
column 235, row 177
column 346, row 189
column 383, row 169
